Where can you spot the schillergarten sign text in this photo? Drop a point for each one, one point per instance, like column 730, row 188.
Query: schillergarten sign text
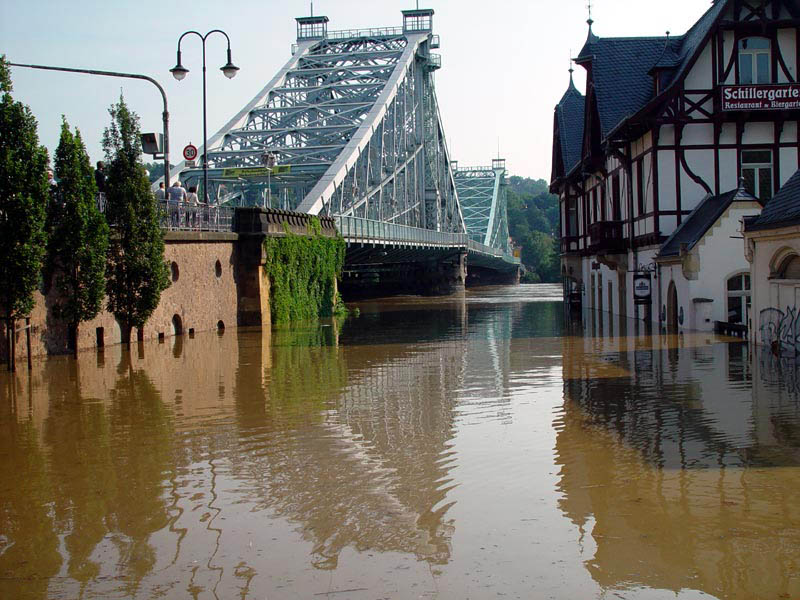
column 761, row 97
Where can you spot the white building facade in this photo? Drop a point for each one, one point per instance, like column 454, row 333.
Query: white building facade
column 667, row 124
column 772, row 245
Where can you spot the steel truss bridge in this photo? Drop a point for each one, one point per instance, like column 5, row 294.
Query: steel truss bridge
column 350, row 128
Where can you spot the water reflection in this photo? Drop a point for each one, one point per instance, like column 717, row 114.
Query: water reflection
column 679, row 467
column 139, row 470
column 442, row 448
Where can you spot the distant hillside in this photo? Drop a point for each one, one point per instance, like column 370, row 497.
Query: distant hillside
column 533, row 225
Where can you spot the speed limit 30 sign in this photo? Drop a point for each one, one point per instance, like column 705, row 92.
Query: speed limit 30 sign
column 190, row 152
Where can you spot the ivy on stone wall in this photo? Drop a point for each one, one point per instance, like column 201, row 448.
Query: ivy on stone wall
column 303, row 270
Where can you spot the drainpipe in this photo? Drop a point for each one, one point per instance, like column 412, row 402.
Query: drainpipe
column 658, row 268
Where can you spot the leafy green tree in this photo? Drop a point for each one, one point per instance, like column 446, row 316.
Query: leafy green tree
column 23, row 203
column 533, row 225
column 79, row 238
column 137, row 273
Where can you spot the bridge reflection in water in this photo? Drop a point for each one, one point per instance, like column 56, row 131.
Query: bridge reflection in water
column 458, row 447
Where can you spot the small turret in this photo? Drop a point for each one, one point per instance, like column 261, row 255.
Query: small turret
column 591, row 39
column 418, row 20
column 312, row 28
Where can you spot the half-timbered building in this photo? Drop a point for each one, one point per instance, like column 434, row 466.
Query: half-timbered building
column 665, row 125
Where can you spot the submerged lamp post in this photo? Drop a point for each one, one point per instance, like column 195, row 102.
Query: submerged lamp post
column 179, row 72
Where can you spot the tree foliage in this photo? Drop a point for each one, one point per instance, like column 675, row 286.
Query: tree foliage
column 137, row 273
column 79, row 235
column 23, row 203
column 533, row 225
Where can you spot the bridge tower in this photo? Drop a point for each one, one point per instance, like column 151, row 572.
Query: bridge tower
column 482, row 195
column 350, row 126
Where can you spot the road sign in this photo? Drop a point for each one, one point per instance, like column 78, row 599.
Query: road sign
column 190, row 152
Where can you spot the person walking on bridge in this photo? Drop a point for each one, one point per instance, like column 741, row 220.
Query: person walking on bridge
column 177, row 195
column 191, row 210
column 100, row 177
column 161, row 192
column 176, row 192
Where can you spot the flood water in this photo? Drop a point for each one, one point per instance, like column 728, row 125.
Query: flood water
column 467, row 448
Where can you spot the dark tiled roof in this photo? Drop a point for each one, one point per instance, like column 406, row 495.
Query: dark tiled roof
column 569, row 112
column 620, row 73
column 701, row 219
column 669, row 58
column 692, row 39
column 783, row 208
column 621, row 67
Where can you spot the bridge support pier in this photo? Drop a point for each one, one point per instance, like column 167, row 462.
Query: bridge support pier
column 443, row 277
column 479, row 276
column 254, row 225
column 252, row 283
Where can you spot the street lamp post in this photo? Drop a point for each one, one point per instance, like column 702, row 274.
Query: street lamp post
column 179, row 72
column 164, row 116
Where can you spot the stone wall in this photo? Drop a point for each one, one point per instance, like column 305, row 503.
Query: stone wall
column 202, row 296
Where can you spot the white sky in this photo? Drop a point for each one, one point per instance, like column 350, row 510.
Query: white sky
column 504, row 63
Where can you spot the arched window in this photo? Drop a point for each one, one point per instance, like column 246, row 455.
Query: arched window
column 738, row 298
column 754, row 60
column 790, row 268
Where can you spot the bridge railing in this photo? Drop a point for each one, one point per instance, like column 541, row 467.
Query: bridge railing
column 343, row 34
column 489, row 251
column 357, row 229
column 181, row 216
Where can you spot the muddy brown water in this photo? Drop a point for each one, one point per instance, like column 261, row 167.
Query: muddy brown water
column 472, row 447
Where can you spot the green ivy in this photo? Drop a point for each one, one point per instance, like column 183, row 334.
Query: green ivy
column 303, row 270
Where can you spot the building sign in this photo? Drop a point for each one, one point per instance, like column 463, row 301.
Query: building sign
column 254, row 172
column 641, row 288
column 761, row 97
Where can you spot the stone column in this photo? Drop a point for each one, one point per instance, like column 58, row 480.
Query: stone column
column 444, row 277
column 252, row 282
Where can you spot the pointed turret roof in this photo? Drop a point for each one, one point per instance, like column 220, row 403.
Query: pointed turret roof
column 569, row 117
column 591, row 39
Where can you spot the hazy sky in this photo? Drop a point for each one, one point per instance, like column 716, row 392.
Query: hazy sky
column 504, row 63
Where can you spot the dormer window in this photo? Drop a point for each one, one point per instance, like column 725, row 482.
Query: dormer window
column 754, row 61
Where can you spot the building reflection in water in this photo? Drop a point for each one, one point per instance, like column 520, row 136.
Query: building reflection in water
column 253, row 464
column 679, row 465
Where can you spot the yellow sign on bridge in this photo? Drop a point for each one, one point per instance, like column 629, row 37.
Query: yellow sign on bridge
column 254, row 172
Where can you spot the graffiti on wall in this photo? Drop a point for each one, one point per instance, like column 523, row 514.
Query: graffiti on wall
column 780, row 330
column 780, row 370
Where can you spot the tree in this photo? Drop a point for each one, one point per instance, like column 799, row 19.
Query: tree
column 137, row 273
column 79, row 238
column 23, row 204
column 533, row 224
